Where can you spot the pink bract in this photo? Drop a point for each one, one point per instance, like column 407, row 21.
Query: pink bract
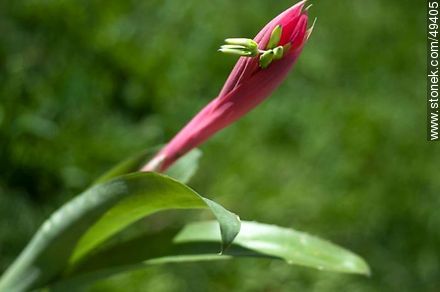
column 246, row 87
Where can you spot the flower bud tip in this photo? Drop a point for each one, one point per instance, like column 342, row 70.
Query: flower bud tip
column 310, row 30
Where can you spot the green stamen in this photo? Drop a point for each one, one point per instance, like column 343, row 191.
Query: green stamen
column 278, row 53
column 249, row 48
column 266, row 58
column 247, row 43
column 275, row 37
column 237, row 52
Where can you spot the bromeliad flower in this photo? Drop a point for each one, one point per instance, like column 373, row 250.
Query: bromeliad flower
column 264, row 63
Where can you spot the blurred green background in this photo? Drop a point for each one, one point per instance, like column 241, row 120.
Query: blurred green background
column 338, row 151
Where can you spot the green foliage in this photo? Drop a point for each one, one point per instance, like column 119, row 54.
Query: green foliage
column 292, row 246
column 195, row 243
column 84, row 223
column 79, row 243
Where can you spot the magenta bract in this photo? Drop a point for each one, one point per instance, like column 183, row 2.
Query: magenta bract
column 246, row 87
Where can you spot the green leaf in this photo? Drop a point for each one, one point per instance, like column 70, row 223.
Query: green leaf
column 292, row 246
column 231, row 222
column 182, row 170
column 83, row 224
column 199, row 242
column 138, row 253
column 145, row 200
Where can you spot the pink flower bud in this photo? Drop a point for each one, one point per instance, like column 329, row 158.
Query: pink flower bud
column 247, row 86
